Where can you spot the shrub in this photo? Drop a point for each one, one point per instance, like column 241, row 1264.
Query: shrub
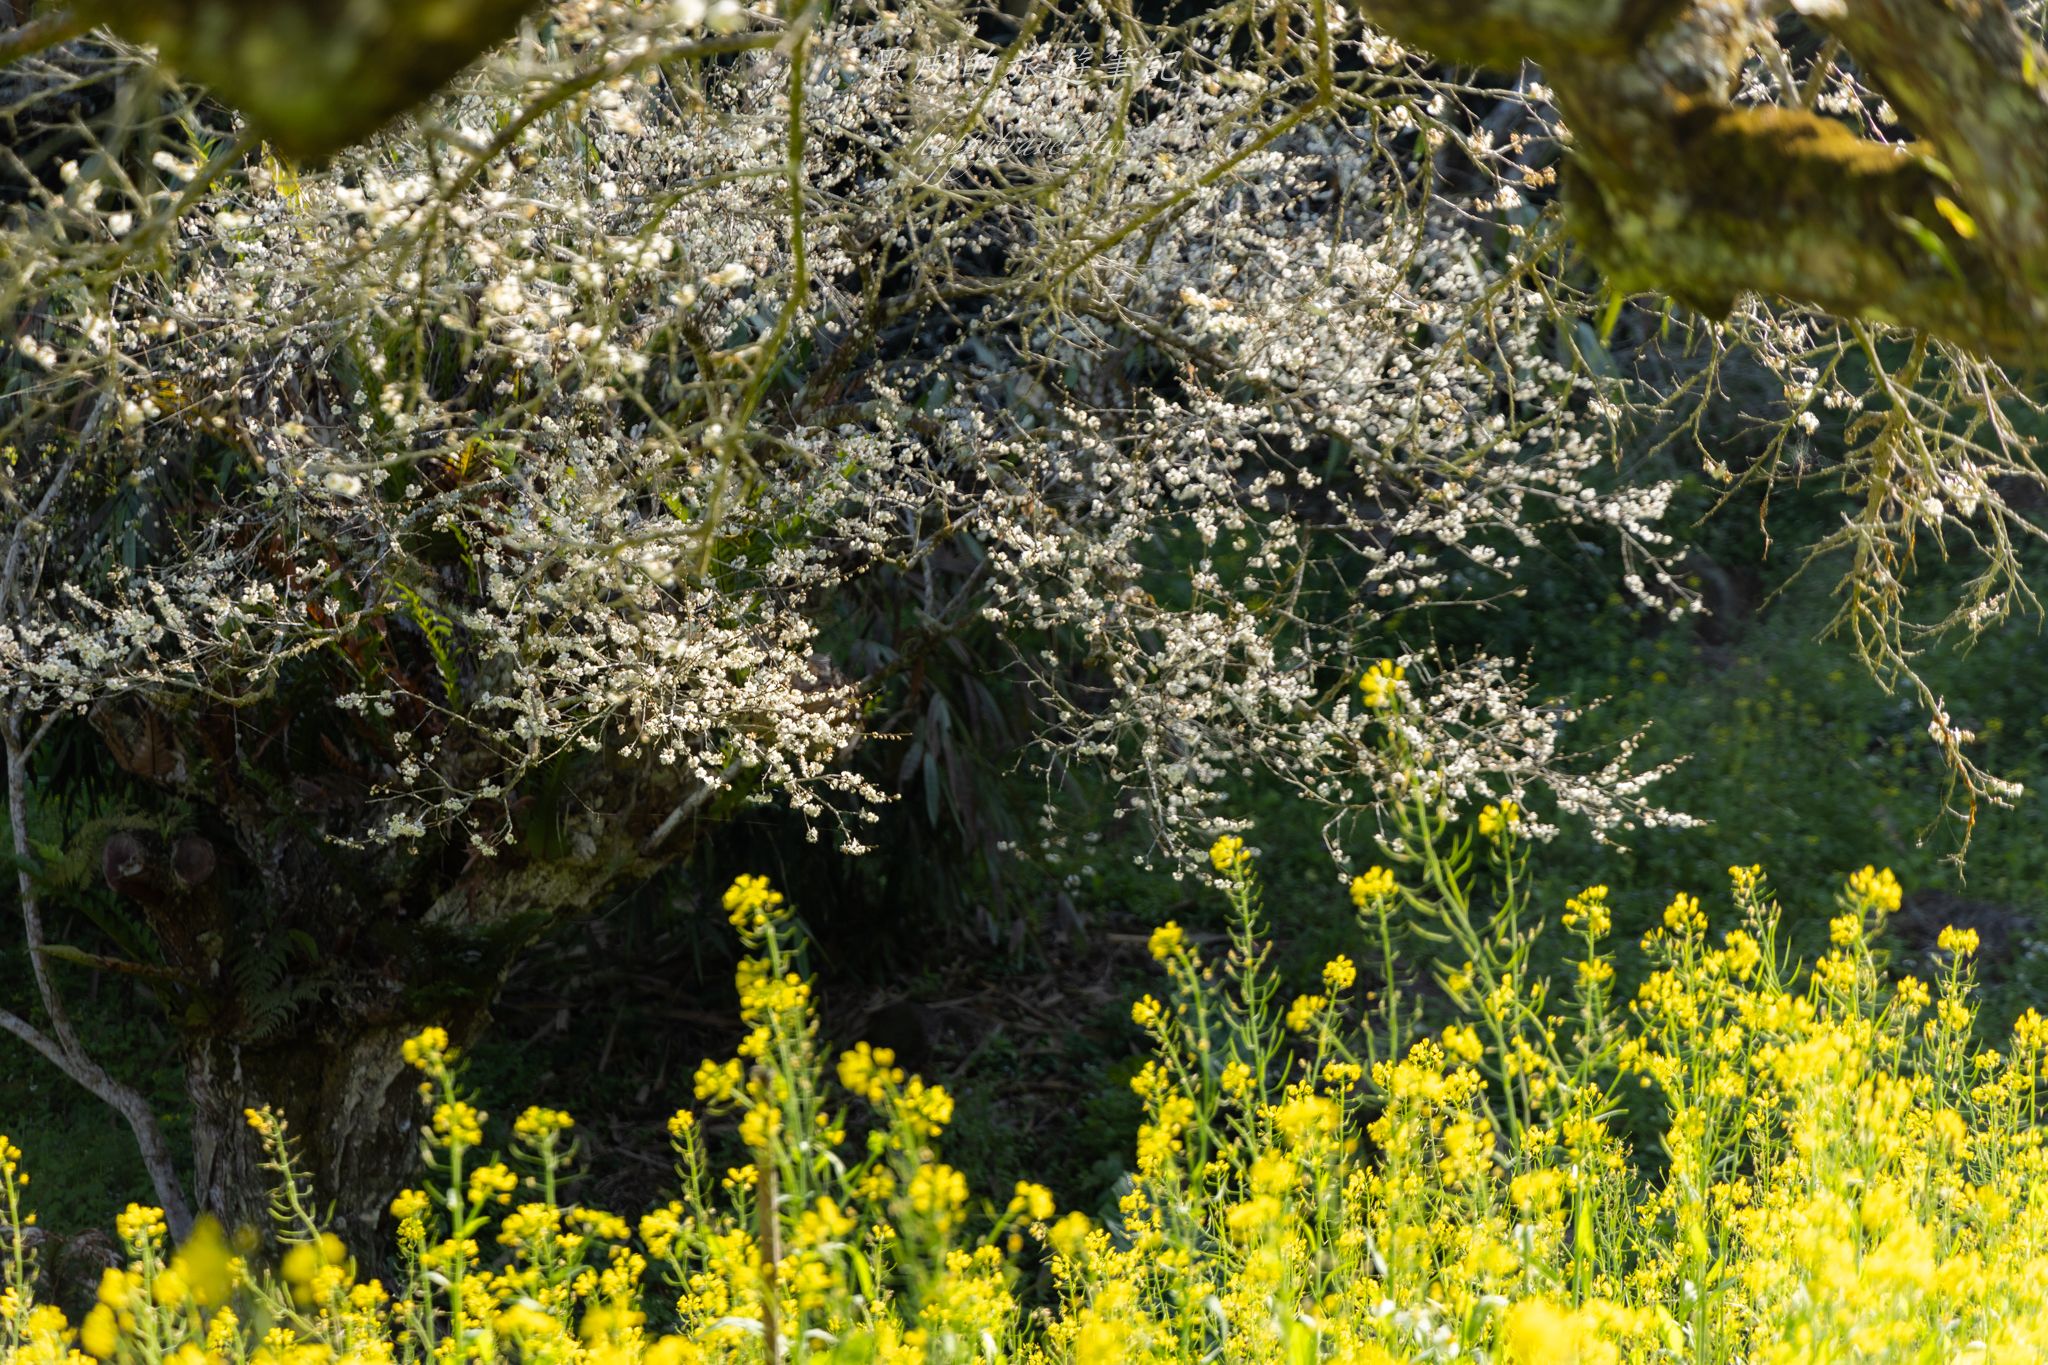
column 1839, row 1172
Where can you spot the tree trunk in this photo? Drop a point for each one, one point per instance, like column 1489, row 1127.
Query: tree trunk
column 295, row 965
column 1945, row 232
column 352, row 1114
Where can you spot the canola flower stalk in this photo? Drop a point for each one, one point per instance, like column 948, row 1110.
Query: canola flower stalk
column 1840, row 1172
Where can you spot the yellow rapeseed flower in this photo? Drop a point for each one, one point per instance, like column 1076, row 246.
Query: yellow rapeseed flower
column 458, row 1123
column 538, row 1123
column 1589, row 908
column 869, row 1071
column 428, row 1049
column 1301, row 1015
column 1381, row 685
column 100, row 1333
column 1462, row 1041
column 1876, row 888
column 141, row 1224
column 1538, row 1332
column 1228, row 854
column 940, row 1193
column 750, row 903
column 718, row 1082
column 1684, row 916
column 924, row 1109
column 1375, row 883
column 492, row 1184
column 1500, row 818
column 1069, row 1236
column 1034, row 1202
column 1165, row 941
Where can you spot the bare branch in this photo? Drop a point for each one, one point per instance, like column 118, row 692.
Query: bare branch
column 37, row 35
column 64, row 1050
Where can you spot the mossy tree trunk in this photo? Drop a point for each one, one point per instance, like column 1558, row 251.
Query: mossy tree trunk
column 1673, row 188
column 294, row 966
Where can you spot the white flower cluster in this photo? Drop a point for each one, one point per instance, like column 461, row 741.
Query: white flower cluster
column 568, row 418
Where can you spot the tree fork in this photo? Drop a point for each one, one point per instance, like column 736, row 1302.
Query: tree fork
column 1677, row 189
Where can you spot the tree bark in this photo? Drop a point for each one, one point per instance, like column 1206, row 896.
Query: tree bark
column 1672, row 187
column 351, row 1112
column 298, row 966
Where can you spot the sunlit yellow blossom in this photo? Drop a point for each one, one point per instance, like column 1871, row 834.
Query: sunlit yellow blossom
column 1341, row 1075
column 140, row 1225
column 100, row 1333
column 1957, row 942
column 1684, row 916
column 492, row 1184
column 221, row 1332
column 538, row 1123
column 1339, row 974
column 1032, row 1201
column 674, row 1350
column 1462, row 1041
column 458, row 1123
column 1744, row 953
column 205, row 1264
column 427, row 1049
column 717, row 1082
column 1537, row 1332
column 940, row 1193
column 1499, row 818
column 1375, row 883
column 869, row 1071
column 1165, row 941
column 1588, row 911
column 750, row 903
column 1380, row 687
column 1069, row 1236
column 1876, row 888
column 1301, row 1015
column 1228, row 854
column 759, row 1126
column 924, row 1109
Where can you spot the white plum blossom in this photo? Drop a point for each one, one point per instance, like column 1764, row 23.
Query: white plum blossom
column 1162, row 361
